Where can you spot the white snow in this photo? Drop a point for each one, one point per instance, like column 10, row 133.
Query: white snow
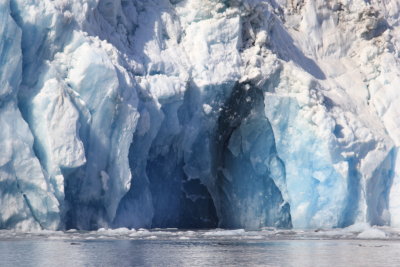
column 110, row 110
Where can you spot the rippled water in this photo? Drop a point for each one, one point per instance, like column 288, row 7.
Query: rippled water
column 123, row 247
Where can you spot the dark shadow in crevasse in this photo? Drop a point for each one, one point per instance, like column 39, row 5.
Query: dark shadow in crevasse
column 161, row 194
column 177, row 200
column 246, row 165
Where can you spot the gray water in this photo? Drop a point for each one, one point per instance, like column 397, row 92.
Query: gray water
column 121, row 253
column 358, row 245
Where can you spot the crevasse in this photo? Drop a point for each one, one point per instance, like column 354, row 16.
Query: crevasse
column 198, row 114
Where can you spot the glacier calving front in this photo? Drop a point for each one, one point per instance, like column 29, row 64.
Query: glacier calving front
column 199, row 113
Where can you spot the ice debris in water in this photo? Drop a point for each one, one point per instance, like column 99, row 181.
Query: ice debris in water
column 199, row 114
column 265, row 235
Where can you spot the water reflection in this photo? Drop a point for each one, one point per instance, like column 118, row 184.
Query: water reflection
column 113, row 253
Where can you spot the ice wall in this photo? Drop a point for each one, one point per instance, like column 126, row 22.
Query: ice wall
column 27, row 197
column 198, row 114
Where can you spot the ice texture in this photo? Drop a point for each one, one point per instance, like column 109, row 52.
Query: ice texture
column 199, row 114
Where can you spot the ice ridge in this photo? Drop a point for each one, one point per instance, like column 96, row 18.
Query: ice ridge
column 198, row 114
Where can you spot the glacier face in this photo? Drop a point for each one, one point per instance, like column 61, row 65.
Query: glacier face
column 198, row 113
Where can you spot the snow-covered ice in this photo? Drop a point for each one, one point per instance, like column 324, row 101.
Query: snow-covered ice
column 199, row 114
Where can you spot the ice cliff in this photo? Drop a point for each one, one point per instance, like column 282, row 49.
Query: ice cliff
column 199, row 113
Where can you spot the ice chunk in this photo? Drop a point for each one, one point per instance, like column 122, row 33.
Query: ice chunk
column 372, row 233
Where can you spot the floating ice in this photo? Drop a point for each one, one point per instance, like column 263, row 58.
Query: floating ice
column 372, row 233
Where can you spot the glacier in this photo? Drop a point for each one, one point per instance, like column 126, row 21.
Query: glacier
column 199, row 114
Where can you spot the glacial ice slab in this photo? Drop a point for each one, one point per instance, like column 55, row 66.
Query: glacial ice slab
column 249, row 172
column 27, row 198
column 198, row 113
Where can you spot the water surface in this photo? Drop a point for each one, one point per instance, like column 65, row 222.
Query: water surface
column 120, row 248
